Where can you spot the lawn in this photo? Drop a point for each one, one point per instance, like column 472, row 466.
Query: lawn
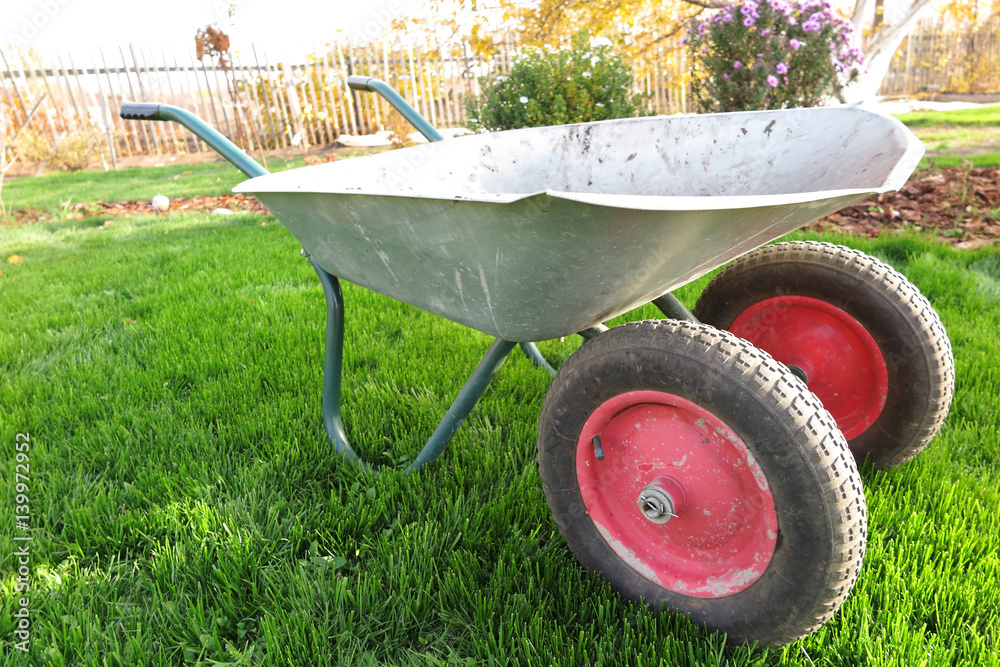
column 186, row 507
column 985, row 116
column 958, row 137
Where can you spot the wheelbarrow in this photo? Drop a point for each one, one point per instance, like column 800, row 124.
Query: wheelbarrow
column 701, row 463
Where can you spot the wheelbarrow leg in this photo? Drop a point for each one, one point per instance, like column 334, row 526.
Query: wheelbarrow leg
column 671, row 306
column 473, row 390
column 532, row 352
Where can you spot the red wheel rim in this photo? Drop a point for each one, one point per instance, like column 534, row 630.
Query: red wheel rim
column 723, row 535
column 842, row 363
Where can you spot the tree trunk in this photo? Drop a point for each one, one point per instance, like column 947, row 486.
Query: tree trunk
column 879, row 49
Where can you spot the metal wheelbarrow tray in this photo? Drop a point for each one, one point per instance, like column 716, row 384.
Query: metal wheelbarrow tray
column 538, row 233
column 703, row 463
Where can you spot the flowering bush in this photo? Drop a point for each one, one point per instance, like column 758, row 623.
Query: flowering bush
column 552, row 87
column 771, row 55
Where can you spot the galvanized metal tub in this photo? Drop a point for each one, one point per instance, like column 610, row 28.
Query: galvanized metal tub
column 537, row 233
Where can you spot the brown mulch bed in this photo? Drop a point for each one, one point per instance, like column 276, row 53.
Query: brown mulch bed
column 236, row 203
column 958, row 205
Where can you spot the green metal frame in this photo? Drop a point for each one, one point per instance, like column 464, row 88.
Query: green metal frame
column 333, row 420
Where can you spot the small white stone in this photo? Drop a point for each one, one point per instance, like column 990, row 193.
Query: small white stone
column 221, row 211
column 161, row 203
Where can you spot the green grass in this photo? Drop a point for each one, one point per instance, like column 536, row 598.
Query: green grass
column 977, row 161
column 959, row 137
column 986, row 116
column 186, row 507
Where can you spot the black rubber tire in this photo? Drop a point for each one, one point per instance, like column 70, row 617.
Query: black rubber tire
column 812, row 476
column 909, row 333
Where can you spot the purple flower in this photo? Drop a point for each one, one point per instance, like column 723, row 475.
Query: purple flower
column 737, row 65
column 781, row 68
column 765, row 32
column 811, row 26
column 702, row 28
column 748, row 21
column 725, row 76
column 726, row 18
column 772, row 81
column 795, row 44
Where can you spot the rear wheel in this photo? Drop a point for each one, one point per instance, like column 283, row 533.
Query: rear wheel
column 689, row 469
column 860, row 335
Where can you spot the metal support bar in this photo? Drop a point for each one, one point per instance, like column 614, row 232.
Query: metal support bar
column 473, row 390
column 670, row 306
column 532, row 352
column 592, row 332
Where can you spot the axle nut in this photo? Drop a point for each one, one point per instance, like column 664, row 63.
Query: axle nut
column 660, row 500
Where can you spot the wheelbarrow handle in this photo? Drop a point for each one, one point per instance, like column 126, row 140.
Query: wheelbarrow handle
column 201, row 129
column 373, row 85
column 359, row 82
column 141, row 111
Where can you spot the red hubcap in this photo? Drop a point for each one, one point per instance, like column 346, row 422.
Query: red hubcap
column 661, row 447
column 841, row 361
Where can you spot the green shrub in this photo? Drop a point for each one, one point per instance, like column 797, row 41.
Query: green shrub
column 770, row 55
column 554, row 87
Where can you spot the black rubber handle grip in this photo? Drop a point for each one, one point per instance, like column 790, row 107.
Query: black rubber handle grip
column 141, row 111
column 358, row 82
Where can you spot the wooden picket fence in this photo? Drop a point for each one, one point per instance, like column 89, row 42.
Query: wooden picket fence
column 933, row 59
column 278, row 105
column 259, row 102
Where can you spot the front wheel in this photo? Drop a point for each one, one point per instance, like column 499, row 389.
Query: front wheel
column 692, row 472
